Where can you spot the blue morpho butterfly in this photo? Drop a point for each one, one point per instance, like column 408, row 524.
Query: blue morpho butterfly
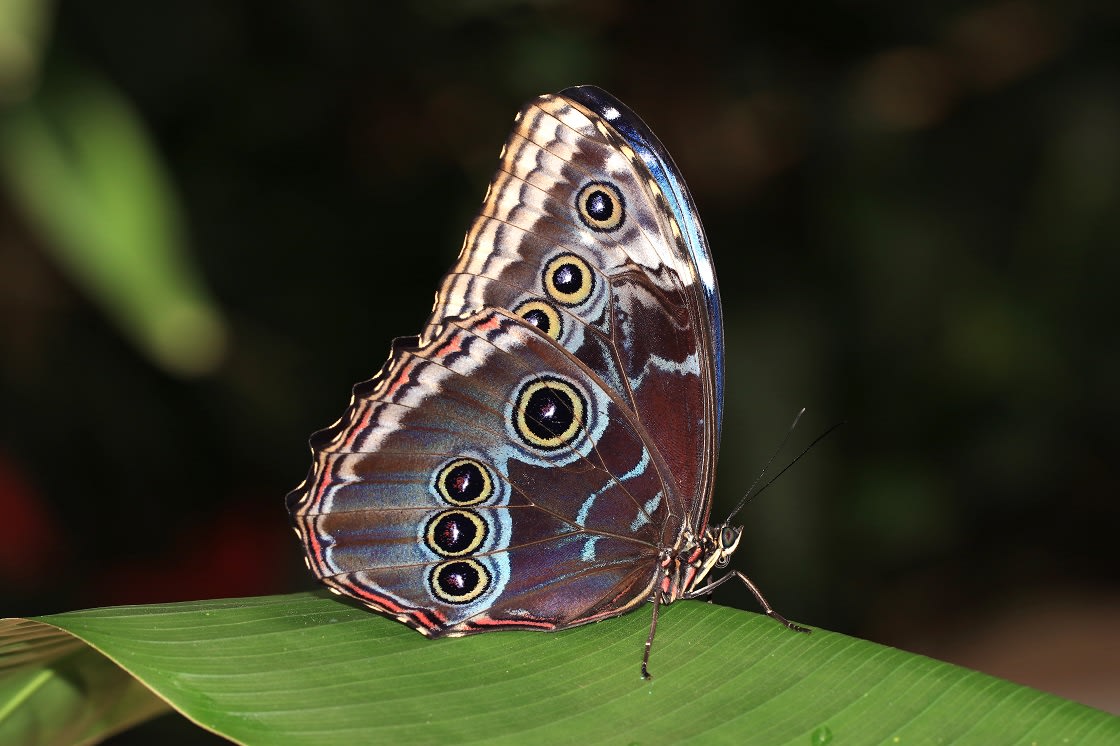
column 542, row 455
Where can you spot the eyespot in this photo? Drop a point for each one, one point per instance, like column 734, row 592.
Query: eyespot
column 548, row 413
column 454, row 533
column 458, row 581
column 568, row 279
column 541, row 315
column 464, row 482
column 600, row 206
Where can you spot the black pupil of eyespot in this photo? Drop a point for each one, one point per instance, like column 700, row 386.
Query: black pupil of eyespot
column 549, row 413
column 539, row 319
column 568, row 278
column 458, row 577
column 464, row 482
column 453, row 533
column 599, row 205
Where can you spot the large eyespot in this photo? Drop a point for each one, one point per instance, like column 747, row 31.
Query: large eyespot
column 454, row 533
column 568, row 279
column 464, row 482
column 600, row 206
column 541, row 315
column 548, row 413
column 459, row 581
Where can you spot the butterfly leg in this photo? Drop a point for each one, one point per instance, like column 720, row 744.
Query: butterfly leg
column 766, row 607
column 652, row 632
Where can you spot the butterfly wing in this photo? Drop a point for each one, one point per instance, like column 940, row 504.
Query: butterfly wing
column 524, row 461
column 589, row 232
column 485, row 479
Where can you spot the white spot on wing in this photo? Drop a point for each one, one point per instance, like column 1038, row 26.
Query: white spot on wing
column 648, row 509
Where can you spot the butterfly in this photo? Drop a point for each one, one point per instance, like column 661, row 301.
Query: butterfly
column 542, row 455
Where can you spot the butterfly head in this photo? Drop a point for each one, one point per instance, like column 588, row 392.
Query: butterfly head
column 724, row 541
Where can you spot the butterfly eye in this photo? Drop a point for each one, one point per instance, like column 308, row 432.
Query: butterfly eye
column 729, row 538
column 454, row 533
column 542, row 316
column 600, row 206
column 464, row 482
column 568, row 279
column 459, row 581
column 548, row 413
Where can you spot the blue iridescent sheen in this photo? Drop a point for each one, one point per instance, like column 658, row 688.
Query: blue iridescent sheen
column 665, row 173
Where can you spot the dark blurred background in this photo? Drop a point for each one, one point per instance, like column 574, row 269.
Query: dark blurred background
column 214, row 216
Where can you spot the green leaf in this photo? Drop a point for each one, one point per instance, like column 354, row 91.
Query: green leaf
column 53, row 689
column 310, row 669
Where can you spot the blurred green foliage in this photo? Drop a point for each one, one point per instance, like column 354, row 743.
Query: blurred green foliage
column 83, row 173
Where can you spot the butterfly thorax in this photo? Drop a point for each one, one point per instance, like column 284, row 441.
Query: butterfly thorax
column 687, row 565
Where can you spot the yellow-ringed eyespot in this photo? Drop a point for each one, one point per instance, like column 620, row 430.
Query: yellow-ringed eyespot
column 464, row 482
column 600, row 206
column 548, row 413
column 568, row 279
column 459, row 581
column 454, row 533
column 541, row 315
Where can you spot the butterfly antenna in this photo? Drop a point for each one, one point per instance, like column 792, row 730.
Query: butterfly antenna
column 751, row 493
column 748, row 494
